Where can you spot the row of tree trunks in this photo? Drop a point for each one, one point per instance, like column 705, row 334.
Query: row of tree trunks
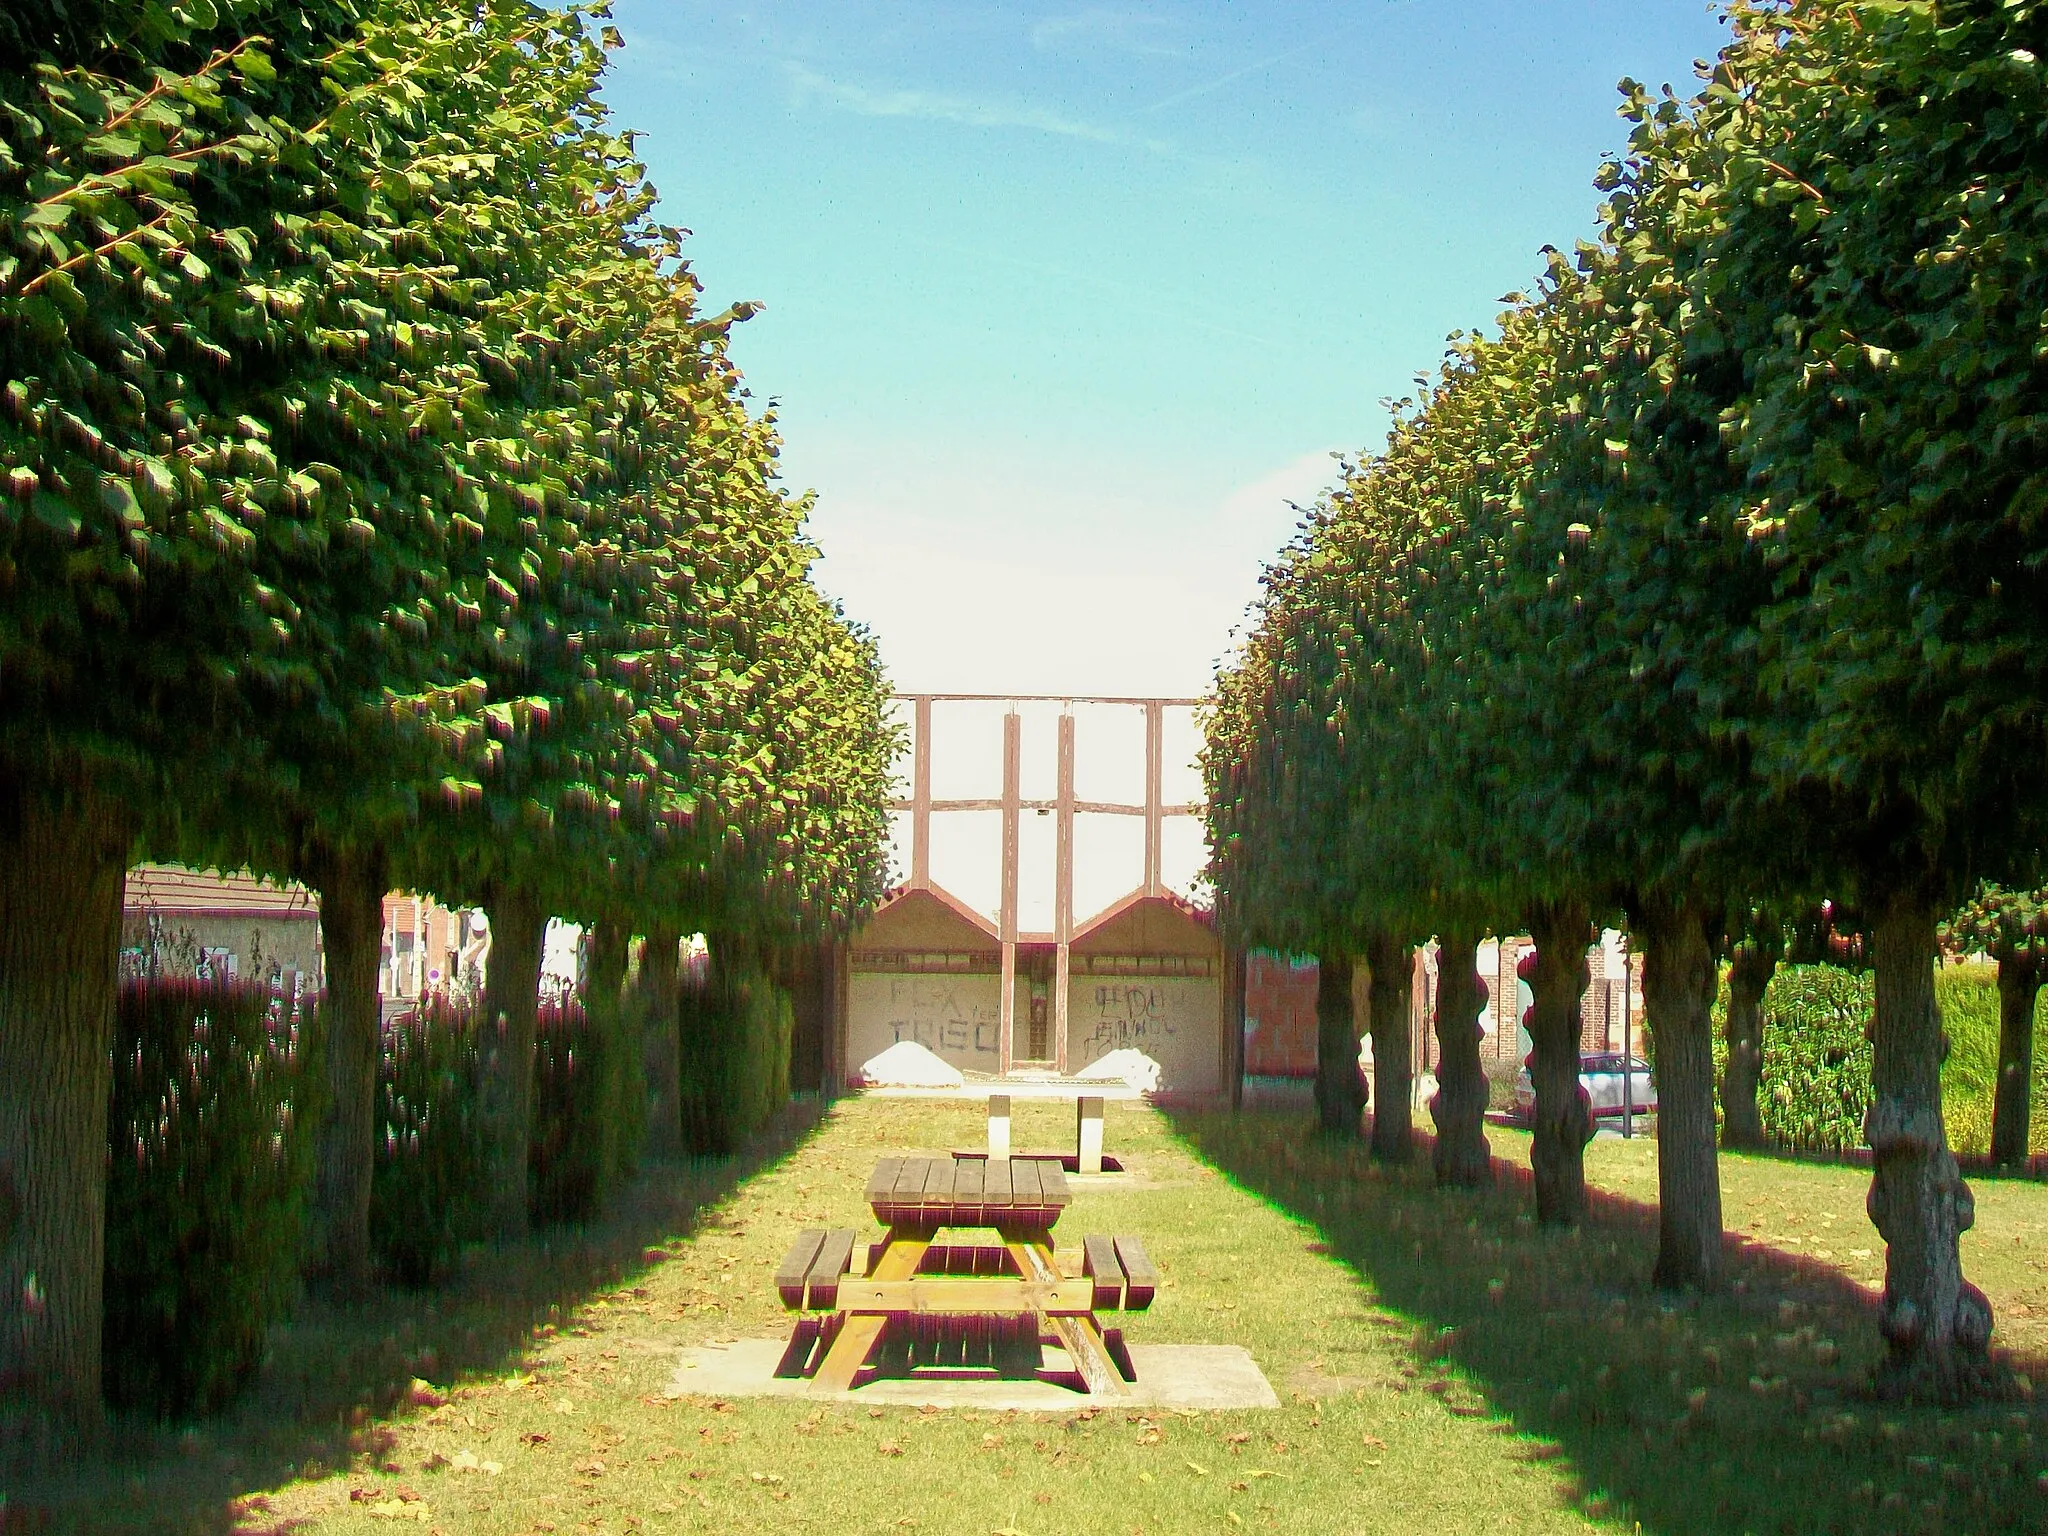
column 1391, row 980
column 1937, row 1324
column 1340, row 1088
column 511, row 1011
column 351, row 883
column 1564, row 1120
column 1680, row 979
column 1463, row 1157
column 660, row 1002
column 1750, row 968
column 63, row 868
column 2019, row 985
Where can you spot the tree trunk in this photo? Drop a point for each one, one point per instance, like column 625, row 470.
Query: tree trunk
column 1679, row 982
column 2019, row 983
column 1392, row 977
column 351, row 885
column 604, row 982
column 1459, row 1108
column 63, row 866
column 1340, row 1089
column 1749, row 977
column 1564, row 1119
column 660, row 1020
column 1937, row 1324
column 511, row 1008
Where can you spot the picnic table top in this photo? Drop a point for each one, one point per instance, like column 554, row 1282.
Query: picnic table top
column 1012, row 1192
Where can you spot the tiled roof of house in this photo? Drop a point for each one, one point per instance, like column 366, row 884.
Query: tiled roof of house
column 173, row 888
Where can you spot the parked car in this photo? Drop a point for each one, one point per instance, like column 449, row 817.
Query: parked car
column 1601, row 1076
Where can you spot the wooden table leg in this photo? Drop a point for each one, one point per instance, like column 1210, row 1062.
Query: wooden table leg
column 902, row 1251
column 1081, row 1336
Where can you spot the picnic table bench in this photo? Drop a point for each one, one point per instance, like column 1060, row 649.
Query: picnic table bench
column 914, row 1303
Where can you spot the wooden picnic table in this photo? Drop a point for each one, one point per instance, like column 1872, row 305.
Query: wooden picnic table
column 979, row 1290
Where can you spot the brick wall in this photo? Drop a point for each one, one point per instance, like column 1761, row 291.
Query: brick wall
column 1279, row 1015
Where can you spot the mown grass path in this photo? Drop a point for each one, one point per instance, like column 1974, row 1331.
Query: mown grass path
column 1442, row 1366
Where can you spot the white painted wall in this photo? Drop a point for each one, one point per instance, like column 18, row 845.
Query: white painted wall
column 957, row 1018
column 1176, row 1020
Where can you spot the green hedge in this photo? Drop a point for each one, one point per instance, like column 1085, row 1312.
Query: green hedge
column 1968, row 995
column 427, row 1197
column 735, row 1061
column 589, row 1110
column 210, row 1155
column 426, row 1192
column 1816, row 1072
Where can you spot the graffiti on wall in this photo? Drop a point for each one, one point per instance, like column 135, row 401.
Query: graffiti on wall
column 1127, row 1013
column 1174, row 1020
column 958, row 1018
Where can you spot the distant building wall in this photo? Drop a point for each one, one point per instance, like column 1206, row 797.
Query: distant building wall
column 1172, row 1019
column 954, row 1016
column 187, row 922
column 1279, row 1015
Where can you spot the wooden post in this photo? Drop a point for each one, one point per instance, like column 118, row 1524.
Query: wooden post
column 1013, row 736
column 999, row 1125
column 1088, row 1134
column 1155, row 751
column 1063, row 893
column 921, row 798
column 1233, row 981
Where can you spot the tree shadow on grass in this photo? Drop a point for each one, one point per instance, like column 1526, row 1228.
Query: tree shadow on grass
column 336, row 1370
column 1750, row 1411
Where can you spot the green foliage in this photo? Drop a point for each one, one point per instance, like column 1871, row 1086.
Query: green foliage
column 1816, row 1064
column 209, row 1157
column 426, row 1196
column 735, row 1060
column 588, row 1112
column 1968, row 998
column 2006, row 925
column 1713, row 575
column 1815, row 1087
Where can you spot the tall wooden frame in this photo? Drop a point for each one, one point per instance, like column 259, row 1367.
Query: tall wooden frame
column 1064, row 806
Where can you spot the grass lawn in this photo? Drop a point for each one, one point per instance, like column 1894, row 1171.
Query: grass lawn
column 1442, row 1366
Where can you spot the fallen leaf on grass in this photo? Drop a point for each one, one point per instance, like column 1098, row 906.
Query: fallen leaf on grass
column 1261, row 1472
column 535, row 1437
column 889, row 1448
column 398, row 1509
column 1376, row 1442
column 1231, row 1516
column 1198, row 1469
column 1144, row 1477
column 765, row 1477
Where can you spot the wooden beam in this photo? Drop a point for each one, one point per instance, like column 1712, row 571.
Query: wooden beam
column 1013, row 779
column 1155, row 751
column 921, row 799
column 961, row 1295
column 1063, row 893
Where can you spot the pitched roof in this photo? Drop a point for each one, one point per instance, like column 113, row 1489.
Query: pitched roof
column 173, row 888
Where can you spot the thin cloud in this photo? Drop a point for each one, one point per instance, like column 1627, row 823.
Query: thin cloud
column 1221, row 81
column 1130, row 32
column 939, row 107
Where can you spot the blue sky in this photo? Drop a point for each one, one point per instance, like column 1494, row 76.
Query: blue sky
column 1065, row 303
